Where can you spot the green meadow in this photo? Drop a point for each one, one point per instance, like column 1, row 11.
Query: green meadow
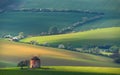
column 94, row 5
column 55, row 61
column 62, row 70
column 6, row 64
column 103, row 23
column 15, row 22
column 96, row 37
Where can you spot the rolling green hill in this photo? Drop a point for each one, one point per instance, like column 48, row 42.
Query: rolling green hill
column 98, row 37
column 64, row 70
column 94, row 5
column 8, row 4
column 37, row 22
column 13, row 23
column 12, row 52
column 6, row 64
column 103, row 23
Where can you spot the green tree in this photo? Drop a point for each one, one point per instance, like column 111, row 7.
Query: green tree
column 21, row 35
column 62, row 46
column 114, row 49
column 69, row 46
column 33, row 42
column 97, row 50
column 117, row 60
column 116, row 52
column 53, row 30
column 22, row 64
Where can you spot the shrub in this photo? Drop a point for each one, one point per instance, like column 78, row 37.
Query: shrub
column 117, row 60
column 61, row 46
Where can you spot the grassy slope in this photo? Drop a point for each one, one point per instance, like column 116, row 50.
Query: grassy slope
column 14, row 52
column 6, row 64
column 8, row 4
column 12, row 24
column 69, row 70
column 15, row 22
column 103, row 23
column 95, row 5
column 93, row 37
column 109, row 7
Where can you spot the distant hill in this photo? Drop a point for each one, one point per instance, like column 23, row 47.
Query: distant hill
column 8, row 4
column 32, row 23
column 94, row 5
column 98, row 37
column 102, row 23
column 109, row 7
column 11, row 53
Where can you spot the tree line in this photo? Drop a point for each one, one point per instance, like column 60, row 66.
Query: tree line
column 96, row 50
column 55, row 10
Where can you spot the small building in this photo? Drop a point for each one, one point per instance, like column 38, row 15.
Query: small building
column 35, row 62
column 15, row 39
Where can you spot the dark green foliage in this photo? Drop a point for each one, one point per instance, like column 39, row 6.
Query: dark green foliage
column 22, row 64
column 117, row 60
column 33, row 42
column 116, row 52
column 114, row 49
column 69, row 46
column 53, row 30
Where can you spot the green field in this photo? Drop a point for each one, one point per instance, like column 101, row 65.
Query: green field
column 15, row 22
column 6, row 4
column 62, row 70
column 103, row 23
column 98, row 37
column 54, row 61
column 94, row 5
column 12, row 53
column 6, row 64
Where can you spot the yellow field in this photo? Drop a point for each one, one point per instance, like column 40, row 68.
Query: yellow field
column 15, row 52
column 25, row 50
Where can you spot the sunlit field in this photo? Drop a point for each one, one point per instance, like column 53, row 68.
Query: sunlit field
column 12, row 53
column 64, row 70
column 93, row 37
